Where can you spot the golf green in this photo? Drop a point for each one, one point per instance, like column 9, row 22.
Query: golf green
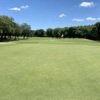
column 50, row 69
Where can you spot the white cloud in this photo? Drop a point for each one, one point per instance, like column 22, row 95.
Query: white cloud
column 86, row 19
column 19, row 8
column 91, row 18
column 62, row 15
column 86, row 4
column 77, row 19
column 25, row 6
column 15, row 8
column 98, row 18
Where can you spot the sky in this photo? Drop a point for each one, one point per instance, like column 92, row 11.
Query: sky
column 43, row 14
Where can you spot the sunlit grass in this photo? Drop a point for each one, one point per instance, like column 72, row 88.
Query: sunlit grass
column 50, row 69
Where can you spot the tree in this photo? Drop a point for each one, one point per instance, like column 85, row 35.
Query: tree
column 49, row 32
column 71, row 32
column 9, row 28
column 18, row 31
column 39, row 33
column 31, row 33
column 65, row 32
column 5, row 26
column 94, row 33
column 57, row 32
column 25, row 30
column 98, row 29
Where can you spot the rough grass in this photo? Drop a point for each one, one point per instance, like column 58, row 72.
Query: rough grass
column 50, row 69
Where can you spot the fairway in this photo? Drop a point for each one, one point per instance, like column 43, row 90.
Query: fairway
column 50, row 69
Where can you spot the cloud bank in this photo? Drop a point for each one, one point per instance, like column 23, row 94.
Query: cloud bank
column 92, row 19
column 86, row 19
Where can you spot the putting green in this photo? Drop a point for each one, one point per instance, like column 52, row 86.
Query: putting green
column 50, row 69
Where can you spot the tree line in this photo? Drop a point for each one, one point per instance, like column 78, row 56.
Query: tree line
column 88, row 31
column 10, row 30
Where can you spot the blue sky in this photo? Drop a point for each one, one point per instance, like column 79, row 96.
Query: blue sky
column 43, row 14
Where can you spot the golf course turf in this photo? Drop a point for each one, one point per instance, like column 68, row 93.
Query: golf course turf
column 50, row 69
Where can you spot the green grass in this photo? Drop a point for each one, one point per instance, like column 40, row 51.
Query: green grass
column 50, row 69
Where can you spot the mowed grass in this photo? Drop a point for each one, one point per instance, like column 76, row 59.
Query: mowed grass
column 50, row 69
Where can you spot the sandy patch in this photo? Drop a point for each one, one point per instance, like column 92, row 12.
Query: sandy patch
column 6, row 42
